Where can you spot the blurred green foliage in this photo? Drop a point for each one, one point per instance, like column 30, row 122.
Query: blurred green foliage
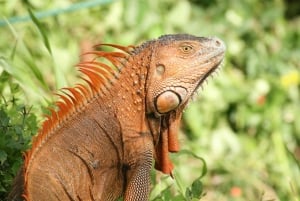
column 17, row 126
column 245, row 123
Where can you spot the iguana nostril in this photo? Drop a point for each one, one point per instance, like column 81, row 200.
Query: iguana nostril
column 167, row 101
column 219, row 43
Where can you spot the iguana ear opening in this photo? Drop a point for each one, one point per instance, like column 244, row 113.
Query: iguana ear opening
column 160, row 70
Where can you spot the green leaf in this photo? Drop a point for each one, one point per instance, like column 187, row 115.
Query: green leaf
column 195, row 192
column 4, row 119
column 204, row 169
column 35, row 70
column 197, row 188
column 3, row 156
column 41, row 29
column 4, row 78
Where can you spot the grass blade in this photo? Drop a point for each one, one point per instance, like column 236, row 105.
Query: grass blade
column 41, row 30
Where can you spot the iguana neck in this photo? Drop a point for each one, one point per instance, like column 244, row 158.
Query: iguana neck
column 127, row 95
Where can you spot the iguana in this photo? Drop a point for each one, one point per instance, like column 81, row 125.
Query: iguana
column 100, row 141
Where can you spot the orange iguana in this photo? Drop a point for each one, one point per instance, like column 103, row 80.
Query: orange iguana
column 99, row 143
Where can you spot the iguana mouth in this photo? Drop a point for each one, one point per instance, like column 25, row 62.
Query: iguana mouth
column 206, row 75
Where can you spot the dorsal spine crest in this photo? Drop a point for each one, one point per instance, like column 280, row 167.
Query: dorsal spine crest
column 99, row 78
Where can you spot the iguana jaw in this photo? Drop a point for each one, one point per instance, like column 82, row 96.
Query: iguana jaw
column 212, row 70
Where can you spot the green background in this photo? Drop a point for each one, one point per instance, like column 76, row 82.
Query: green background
column 245, row 123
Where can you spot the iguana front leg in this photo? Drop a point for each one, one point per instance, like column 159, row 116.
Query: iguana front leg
column 138, row 175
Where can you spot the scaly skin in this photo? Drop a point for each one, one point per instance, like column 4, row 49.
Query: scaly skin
column 100, row 143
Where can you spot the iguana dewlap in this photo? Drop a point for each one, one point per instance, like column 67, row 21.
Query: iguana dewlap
column 99, row 143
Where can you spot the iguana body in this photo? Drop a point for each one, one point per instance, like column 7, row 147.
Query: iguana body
column 100, row 142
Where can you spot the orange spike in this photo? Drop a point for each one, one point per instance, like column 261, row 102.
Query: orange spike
column 96, row 64
column 106, row 73
column 100, row 65
column 97, row 53
column 113, row 57
column 107, row 67
column 95, row 84
column 73, row 99
column 53, row 116
column 127, row 49
column 115, row 61
column 83, row 89
column 94, row 78
column 66, row 100
column 92, row 87
column 63, row 108
column 105, row 54
column 76, row 94
column 47, row 123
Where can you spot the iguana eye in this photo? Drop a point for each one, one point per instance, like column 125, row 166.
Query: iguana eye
column 187, row 48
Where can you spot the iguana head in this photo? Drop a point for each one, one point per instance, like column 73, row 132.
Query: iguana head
column 179, row 64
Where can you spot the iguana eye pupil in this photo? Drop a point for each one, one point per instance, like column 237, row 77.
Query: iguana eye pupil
column 187, row 48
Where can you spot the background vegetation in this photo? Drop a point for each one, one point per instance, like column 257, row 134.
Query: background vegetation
column 245, row 123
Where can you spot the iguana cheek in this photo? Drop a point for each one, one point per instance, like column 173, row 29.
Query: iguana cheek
column 182, row 93
column 167, row 101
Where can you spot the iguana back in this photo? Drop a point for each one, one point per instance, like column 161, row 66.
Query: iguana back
column 99, row 143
